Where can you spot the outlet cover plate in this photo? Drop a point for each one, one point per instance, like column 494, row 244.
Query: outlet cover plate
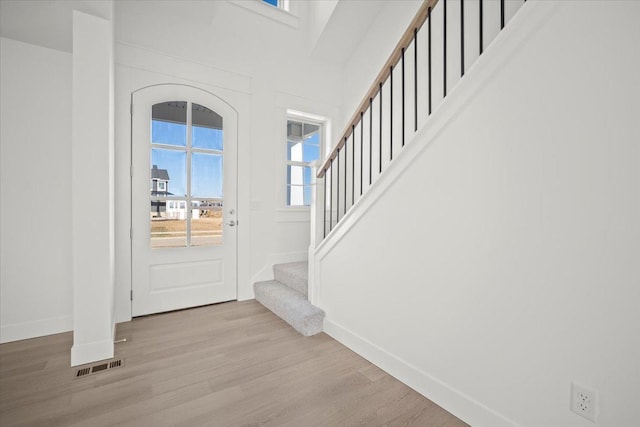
column 584, row 401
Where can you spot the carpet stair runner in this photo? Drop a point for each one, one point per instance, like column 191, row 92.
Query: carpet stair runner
column 287, row 295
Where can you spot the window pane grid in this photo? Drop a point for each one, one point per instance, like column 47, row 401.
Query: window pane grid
column 186, row 175
column 304, row 142
column 204, row 150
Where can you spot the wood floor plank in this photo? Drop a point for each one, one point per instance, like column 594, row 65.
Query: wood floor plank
column 231, row 364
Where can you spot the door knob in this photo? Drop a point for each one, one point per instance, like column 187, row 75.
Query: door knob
column 232, row 223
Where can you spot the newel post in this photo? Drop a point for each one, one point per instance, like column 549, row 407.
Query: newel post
column 316, row 228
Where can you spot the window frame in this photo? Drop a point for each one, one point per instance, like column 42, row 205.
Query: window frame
column 280, row 4
column 288, row 16
column 304, row 119
column 182, row 201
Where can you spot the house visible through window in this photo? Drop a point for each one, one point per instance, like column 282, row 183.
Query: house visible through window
column 304, row 142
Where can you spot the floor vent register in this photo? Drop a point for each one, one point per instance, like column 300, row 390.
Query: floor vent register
column 99, row 367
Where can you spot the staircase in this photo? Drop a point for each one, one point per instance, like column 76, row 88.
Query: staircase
column 287, row 297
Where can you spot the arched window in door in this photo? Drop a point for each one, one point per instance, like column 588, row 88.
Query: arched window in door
column 187, row 147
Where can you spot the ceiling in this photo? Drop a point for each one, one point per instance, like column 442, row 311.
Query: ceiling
column 47, row 23
column 345, row 29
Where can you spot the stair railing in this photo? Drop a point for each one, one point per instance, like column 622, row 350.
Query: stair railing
column 399, row 100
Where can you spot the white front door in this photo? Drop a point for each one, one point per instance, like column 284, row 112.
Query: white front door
column 183, row 188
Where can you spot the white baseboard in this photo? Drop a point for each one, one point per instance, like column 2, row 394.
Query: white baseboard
column 38, row 328
column 452, row 400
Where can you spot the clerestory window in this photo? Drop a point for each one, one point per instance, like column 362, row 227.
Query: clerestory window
column 280, row 4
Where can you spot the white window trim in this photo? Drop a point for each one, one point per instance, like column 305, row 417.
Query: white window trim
column 287, row 104
column 286, row 210
column 318, row 120
column 282, row 4
column 288, row 17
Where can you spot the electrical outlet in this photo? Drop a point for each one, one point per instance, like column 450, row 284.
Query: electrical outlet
column 584, row 401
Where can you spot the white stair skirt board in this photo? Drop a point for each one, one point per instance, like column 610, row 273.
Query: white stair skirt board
column 287, row 298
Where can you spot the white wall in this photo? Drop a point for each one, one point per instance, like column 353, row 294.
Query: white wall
column 35, row 129
column 319, row 13
column 262, row 68
column 499, row 260
column 372, row 53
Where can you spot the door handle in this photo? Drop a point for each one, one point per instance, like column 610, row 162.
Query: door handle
column 232, row 223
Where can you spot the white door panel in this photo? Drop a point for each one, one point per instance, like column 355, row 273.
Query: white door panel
column 182, row 257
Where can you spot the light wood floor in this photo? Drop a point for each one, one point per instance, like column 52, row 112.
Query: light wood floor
column 232, row 364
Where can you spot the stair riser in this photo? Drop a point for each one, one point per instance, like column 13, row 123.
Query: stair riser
column 294, row 282
column 290, row 306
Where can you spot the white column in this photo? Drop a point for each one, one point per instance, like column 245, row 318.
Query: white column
column 92, row 189
column 317, row 230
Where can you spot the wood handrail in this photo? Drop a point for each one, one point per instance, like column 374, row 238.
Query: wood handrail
column 405, row 40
